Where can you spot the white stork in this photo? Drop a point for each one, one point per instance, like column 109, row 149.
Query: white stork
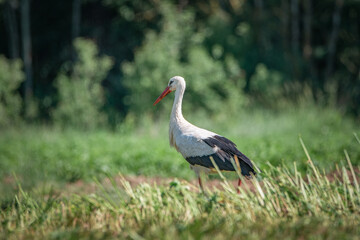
column 197, row 145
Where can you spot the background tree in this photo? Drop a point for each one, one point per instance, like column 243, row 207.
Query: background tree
column 81, row 96
column 11, row 25
column 11, row 77
column 26, row 52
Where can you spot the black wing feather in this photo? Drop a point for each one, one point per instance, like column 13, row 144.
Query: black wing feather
column 227, row 150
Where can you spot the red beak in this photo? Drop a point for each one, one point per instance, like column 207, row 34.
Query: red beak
column 164, row 93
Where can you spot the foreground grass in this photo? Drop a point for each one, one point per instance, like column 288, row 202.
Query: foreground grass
column 285, row 204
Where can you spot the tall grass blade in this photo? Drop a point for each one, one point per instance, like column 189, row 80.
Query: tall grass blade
column 357, row 138
column 352, row 171
column 220, row 174
column 309, row 160
column 236, row 165
column 105, row 192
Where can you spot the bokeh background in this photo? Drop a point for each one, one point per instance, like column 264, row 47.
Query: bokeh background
column 87, row 63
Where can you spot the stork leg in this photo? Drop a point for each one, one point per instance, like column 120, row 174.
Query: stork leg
column 239, row 185
column 197, row 172
column 200, row 184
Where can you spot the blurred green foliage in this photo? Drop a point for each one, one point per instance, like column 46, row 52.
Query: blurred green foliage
column 81, row 96
column 232, row 53
column 176, row 50
column 11, row 76
column 267, row 85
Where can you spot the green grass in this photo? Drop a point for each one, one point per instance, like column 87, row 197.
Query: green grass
column 283, row 205
column 37, row 163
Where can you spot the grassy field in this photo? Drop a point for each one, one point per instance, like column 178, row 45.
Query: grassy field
column 292, row 198
column 283, row 206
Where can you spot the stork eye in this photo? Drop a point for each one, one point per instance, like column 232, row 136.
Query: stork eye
column 171, row 82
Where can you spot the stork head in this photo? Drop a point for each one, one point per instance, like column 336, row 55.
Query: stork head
column 174, row 83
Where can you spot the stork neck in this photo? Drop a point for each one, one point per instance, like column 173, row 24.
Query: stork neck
column 176, row 113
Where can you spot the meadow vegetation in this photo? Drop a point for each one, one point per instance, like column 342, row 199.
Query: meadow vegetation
column 285, row 203
column 41, row 167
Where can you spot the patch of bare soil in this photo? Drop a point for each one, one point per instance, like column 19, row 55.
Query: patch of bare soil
column 211, row 184
column 82, row 187
column 332, row 176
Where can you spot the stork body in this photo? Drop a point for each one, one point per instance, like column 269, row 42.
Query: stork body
column 197, row 145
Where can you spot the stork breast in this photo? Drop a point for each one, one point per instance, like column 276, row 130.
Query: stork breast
column 172, row 141
column 192, row 146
